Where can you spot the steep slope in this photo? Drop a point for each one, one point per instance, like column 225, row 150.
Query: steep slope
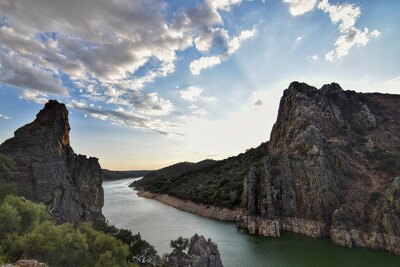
column 217, row 183
column 47, row 169
column 330, row 169
column 116, row 175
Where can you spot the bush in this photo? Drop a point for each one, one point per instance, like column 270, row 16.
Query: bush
column 27, row 231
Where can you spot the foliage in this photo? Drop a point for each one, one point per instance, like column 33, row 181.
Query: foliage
column 6, row 166
column 218, row 183
column 384, row 161
column 180, row 244
column 27, row 231
column 7, row 189
column 139, row 250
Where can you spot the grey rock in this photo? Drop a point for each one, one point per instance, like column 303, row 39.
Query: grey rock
column 48, row 171
column 201, row 253
column 329, row 169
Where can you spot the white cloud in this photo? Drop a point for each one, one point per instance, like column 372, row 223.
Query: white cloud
column 299, row 7
column 193, row 94
column 313, row 58
column 100, row 45
column 345, row 14
column 196, row 66
column 345, row 42
column 231, row 46
column 4, row 117
column 222, row 4
column 35, row 96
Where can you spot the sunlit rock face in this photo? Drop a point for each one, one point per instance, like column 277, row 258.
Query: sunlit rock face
column 48, row 171
column 330, row 169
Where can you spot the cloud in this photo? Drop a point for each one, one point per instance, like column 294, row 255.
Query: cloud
column 345, row 42
column 193, row 94
column 196, row 66
column 313, row 58
column 108, row 50
column 4, row 117
column 231, row 46
column 299, row 7
column 346, row 16
column 35, row 96
column 123, row 117
column 19, row 72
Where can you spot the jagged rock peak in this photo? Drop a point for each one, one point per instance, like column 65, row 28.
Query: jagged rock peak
column 331, row 168
column 47, row 169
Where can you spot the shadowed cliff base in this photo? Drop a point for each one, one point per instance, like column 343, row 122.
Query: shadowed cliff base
column 331, row 168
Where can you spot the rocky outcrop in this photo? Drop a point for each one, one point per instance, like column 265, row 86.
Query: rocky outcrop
column 330, row 169
column 48, row 171
column 201, row 253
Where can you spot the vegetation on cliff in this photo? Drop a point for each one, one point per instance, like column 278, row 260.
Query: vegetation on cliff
column 218, row 183
column 116, row 175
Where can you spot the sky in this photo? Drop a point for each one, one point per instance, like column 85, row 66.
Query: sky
column 149, row 83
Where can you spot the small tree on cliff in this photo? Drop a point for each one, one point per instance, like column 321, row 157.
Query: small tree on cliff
column 180, row 244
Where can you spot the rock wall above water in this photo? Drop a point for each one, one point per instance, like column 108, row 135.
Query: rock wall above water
column 331, row 169
column 48, row 171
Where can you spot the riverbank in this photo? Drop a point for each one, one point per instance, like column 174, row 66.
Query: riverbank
column 212, row 212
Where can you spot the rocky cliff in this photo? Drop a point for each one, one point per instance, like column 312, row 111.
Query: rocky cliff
column 201, row 253
column 48, row 171
column 331, row 169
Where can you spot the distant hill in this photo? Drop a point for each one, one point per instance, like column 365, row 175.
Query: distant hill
column 116, row 175
column 209, row 182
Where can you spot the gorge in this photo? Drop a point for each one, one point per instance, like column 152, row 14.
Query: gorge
column 330, row 168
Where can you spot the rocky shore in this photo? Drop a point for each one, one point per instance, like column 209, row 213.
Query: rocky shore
column 212, row 212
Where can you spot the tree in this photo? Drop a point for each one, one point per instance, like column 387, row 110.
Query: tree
column 139, row 250
column 10, row 221
column 180, row 244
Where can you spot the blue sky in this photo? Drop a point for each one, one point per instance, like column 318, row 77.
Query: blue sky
column 149, row 82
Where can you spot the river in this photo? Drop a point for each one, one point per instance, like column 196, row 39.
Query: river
column 159, row 223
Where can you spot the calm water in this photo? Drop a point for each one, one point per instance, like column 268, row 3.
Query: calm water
column 159, row 223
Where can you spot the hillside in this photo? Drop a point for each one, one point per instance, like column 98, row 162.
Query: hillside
column 116, row 175
column 209, row 182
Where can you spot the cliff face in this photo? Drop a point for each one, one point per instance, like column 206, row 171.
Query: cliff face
column 47, row 169
column 330, row 169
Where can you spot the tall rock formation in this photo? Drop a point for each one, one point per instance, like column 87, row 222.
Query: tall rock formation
column 201, row 253
column 331, row 168
column 48, row 171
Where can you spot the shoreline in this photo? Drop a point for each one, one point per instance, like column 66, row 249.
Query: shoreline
column 211, row 212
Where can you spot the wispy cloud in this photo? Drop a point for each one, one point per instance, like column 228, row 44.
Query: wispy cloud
column 4, row 117
column 345, row 15
column 228, row 47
